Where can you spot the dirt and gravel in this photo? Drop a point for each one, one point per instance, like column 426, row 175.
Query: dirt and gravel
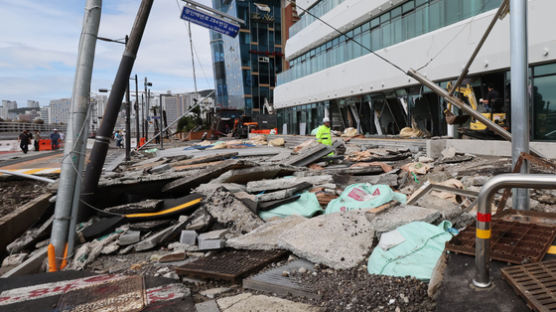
column 357, row 290
column 13, row 194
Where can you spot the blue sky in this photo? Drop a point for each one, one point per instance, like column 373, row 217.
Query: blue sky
column 38, row 48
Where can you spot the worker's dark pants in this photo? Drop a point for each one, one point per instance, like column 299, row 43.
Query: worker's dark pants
column 36, row 145
column 24, row 147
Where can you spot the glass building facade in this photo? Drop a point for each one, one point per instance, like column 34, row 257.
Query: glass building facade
column 409, row 20
column 245, row 67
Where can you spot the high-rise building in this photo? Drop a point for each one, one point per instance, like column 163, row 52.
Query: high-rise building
column 44, row 114
column 245, row 67
column 7, row 106
column 59, row 111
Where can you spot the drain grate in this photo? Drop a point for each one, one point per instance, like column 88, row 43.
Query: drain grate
column 511, row 242
column 230, row 265
column 124, row 295
column 535, row 282
column 272, row 281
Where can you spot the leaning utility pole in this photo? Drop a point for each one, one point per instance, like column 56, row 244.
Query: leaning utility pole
column 102, row 140
column 519, row 96
column 73, row 149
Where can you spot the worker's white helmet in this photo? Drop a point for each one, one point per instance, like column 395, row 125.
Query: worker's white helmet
column 325, row 119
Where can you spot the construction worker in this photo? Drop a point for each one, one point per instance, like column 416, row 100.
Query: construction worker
column 323, row 132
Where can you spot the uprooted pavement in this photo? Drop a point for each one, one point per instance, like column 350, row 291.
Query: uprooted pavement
column 174, row 212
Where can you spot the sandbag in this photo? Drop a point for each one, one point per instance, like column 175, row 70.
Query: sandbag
column 364, row 196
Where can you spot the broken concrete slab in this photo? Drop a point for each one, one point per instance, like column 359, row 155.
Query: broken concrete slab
column 249, row 302
column 204, row 159
column 31, row 265
column 265, row 206
column 283, row 194
column 400, row 215
column 30, row 237
column 356, row 171
column 287, row 182
column 18, row 221
column 213, row 292
column 207, row 189
column 14, row 259
column 249, row 200
column 199, row 221
column 149, row 205
column 338, row 240
column 390, row 179
column 204, row 176
column 242, row 176
column 267, row 236
column 310, row 155
column 160, row 237
column 207, row 306
column 161, row 168
column 226, row 209
column 149, row 225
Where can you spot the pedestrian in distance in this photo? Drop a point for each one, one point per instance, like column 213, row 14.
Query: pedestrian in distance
column 55, row 139
column 24, row 140
column 119, row 138
column 37, row 140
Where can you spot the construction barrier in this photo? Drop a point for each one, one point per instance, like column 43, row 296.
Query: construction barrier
column 142, row 141
column 9, row 146
column 45, row 145
column 265, row 131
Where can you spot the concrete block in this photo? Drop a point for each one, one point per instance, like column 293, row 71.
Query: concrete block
column 226, row 209
column 249, row 302
column 129, row 237
column 213, row 234
column 211, row 244
column 188, row 237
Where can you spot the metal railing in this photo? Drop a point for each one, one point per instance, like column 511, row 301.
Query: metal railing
column 17, row 127
column 484, row 230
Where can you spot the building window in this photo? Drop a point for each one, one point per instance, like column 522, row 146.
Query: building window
column 544, row 102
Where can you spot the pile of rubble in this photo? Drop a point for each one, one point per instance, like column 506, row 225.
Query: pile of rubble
column 223, row 211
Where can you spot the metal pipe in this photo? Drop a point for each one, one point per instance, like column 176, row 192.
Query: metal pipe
column 482, row 242
column 519, row 95
column 146, row 112
column 160, row 123
column 28, row 176
column 138, row 134
column 466, row 108
column 127, row 124
column 177, row 119
column 102, row 140
column 74, row 143
column 465, row 70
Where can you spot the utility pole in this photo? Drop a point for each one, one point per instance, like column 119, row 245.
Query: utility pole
column 137, row 112
column 143, row 115
column 102, row 140
column 127, row 124
column 519, row 96
column 147, row 112
column 73, row 156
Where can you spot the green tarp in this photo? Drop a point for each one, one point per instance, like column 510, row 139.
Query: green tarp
column 307, row 206
column 364, row 196
column 416, row 256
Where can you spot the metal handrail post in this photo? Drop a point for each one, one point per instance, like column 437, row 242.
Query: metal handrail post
column 484, row 230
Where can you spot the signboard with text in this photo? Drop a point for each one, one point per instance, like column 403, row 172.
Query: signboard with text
column 211, row 22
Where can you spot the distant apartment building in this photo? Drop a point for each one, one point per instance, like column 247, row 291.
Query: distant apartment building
column 33, row 104
column 176, row 105
column 59, row 111
column 7, row 106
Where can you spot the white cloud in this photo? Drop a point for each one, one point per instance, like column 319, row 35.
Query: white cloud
column 43, row 36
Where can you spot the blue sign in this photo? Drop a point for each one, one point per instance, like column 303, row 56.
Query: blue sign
column 208, row 21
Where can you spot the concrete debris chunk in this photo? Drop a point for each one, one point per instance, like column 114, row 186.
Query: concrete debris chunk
column 285, row 183
column 267, row 236
column 400, row 215
column 207, row 306
column 283, row 194
column 149, row 205
column 14, row 259
column 160, row 237
column 204, row 159
column 199, row 220
column 212, row 240
column 249, row 200
column 30, row 237
column 311, row 154
column 226, row 209
column 338, row 240
column 161, row 168
column 129, row 237
column 213, row 292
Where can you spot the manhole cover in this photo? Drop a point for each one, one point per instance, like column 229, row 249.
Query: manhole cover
column 125, row 295
column 536, row 282
column 230, row 265
column 511, row 242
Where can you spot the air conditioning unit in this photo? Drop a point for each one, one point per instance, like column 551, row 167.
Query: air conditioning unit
column 264, row 59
